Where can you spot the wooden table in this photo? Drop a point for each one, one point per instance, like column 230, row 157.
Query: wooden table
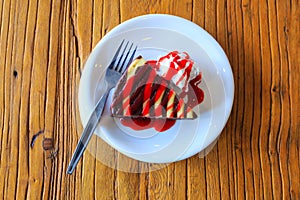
column 43, row 47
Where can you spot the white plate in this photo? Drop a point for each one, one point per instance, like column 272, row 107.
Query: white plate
column 156, row 35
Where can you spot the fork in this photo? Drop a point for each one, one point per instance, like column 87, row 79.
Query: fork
column 113, row 74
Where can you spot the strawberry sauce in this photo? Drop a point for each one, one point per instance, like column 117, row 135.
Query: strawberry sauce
column 143, row 123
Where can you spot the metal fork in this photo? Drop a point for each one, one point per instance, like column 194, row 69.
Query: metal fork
column 114, row 72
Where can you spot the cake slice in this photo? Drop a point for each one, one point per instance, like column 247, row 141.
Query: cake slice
column 141, row 92
column 156, row 93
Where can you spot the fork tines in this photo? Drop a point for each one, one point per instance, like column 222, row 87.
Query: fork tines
column 120, row 59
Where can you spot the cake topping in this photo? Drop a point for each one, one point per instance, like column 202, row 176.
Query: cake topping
column 178, row 68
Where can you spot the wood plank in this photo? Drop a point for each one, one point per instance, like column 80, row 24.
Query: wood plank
column 212, row 174
column 8, row 141
column 179, row 8
column 127, row 183
column 211, row 160
column 51, row 96
column 22, row 145
column 255, row 137
column 283, row 134
column 276, row 104
column 24, row 73
column 199, row 12
column 57, row 115
column 239, row 175
column 37, row 98
column 69, row 74
column 266, row 101
column 231, row 126
column 180, row 180
column 196, row 175
column 76, row 178
column 104, row 173
column 224, row 140
column 223, row 164
column 84, row 33
column 160, row 183
column 292, row 41
column 196, row 171
column 248, row 98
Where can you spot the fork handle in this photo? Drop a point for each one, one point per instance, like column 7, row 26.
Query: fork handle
column 88, row 132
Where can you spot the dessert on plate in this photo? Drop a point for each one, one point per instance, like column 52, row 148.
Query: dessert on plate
column 156, row 93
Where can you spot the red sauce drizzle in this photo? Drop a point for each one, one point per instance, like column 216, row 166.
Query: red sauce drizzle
column 147, row 92
column 143, row 123
column 126, row 93
column 160, row 90
column 194, row 93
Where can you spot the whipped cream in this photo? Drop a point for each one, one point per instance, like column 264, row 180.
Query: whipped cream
column 178, row 68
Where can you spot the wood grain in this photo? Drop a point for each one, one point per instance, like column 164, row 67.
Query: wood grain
column 43, row 48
